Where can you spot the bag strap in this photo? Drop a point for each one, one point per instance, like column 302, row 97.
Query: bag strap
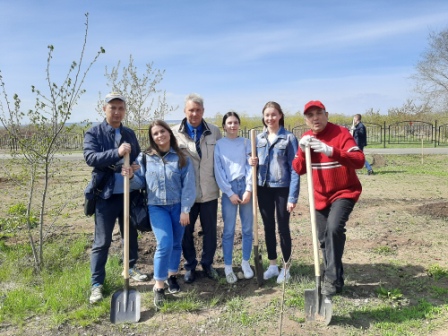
column 144, row 160
column 143, row 191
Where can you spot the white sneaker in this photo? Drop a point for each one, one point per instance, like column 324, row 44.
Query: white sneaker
column 96, row 294
column 271, row 272
column 135, row 274
column 247, row 270
column 231, row 278
column 282, row 277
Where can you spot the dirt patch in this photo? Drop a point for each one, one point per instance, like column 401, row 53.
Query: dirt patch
column 434, row 210
column 378, row 160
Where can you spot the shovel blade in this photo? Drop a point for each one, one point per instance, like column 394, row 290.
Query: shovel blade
column 317, row 307
column 125, row 306
column 258, row 264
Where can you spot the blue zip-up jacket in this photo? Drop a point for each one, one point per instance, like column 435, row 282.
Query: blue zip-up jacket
column 166, row 183
column 360, row 135
column 101, row 154
column 275, row 162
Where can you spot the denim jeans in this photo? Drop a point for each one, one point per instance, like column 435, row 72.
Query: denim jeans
column 207, row 213
column 229, row 212
column 169, row 233
column 273, row 201
column 331, row 231
column 366, row 164
column 106, row 213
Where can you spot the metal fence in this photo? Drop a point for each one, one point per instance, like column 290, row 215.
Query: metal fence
column 409, row 132
column 405, row 132
column 442, row 135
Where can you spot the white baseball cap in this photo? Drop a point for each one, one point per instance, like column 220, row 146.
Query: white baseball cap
column 114, row 95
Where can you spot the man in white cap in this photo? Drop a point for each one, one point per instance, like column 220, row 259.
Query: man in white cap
column 105, row 145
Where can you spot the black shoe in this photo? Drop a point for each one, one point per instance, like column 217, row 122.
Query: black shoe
column 159, row 297
column 370, row 172
column 173, row 286
column 210, row 272
column 190, row 276
column 339, row 286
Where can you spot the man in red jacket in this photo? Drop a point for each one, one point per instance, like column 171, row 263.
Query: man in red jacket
column 335, row 157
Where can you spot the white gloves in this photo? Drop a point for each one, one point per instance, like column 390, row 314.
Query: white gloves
column 305, row 141
column 319, row 147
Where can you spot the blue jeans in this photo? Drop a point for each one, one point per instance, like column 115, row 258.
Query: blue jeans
column 229, row 212
column 168, row 232
column 331, row 232
column 207, row 213
column 366, row 164
column 106, row 213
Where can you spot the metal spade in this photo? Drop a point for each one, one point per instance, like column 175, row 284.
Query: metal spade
column 125, row 304
column 317, row 307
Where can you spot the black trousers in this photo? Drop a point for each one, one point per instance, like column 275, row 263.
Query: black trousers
column 207, row 213
column 272, row 203
column 331, row 232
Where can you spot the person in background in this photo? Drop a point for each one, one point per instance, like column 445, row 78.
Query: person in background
column 197, row 139
column 234, row 178
column 360, row 135
column 334, row 158
column 169, row 179
column 105, row 145
column 279, row 184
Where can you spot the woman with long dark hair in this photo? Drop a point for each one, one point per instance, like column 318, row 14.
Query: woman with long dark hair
column 170, row 183
column 278, row 186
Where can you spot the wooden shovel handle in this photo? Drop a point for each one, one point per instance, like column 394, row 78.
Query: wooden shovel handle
column 309, row 177
column 353, row 126
column 126, row 188
column 254, row 186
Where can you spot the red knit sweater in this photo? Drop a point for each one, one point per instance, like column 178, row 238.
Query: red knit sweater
column 333, row 177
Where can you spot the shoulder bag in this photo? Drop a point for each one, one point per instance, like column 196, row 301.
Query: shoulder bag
column 90, row 204
column 139, row 213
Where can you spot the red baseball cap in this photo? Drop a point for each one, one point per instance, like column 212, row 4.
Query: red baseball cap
column 313, row 103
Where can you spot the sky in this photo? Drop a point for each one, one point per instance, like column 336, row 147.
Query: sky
column 352, row 55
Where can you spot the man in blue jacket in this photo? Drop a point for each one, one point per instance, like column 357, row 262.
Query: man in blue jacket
column 105, row 145
column 359, row 132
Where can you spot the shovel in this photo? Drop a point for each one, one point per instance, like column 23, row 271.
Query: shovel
column 317, row 307
column 125, row 304
column 257, row 257
column 353, row 126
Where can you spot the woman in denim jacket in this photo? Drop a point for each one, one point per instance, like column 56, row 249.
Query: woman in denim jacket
column 278, row 186
column 170, row 183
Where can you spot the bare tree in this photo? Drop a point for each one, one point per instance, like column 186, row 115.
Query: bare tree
column 432, row 72
column 410, row 111
column 140, row 92
column 37, row 143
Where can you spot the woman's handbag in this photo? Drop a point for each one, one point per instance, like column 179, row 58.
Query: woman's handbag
column 139, row 215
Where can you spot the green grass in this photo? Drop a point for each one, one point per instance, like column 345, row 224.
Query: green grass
column 437, row 272
column 384, row 250
column 434, row 165
column 60, row 290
